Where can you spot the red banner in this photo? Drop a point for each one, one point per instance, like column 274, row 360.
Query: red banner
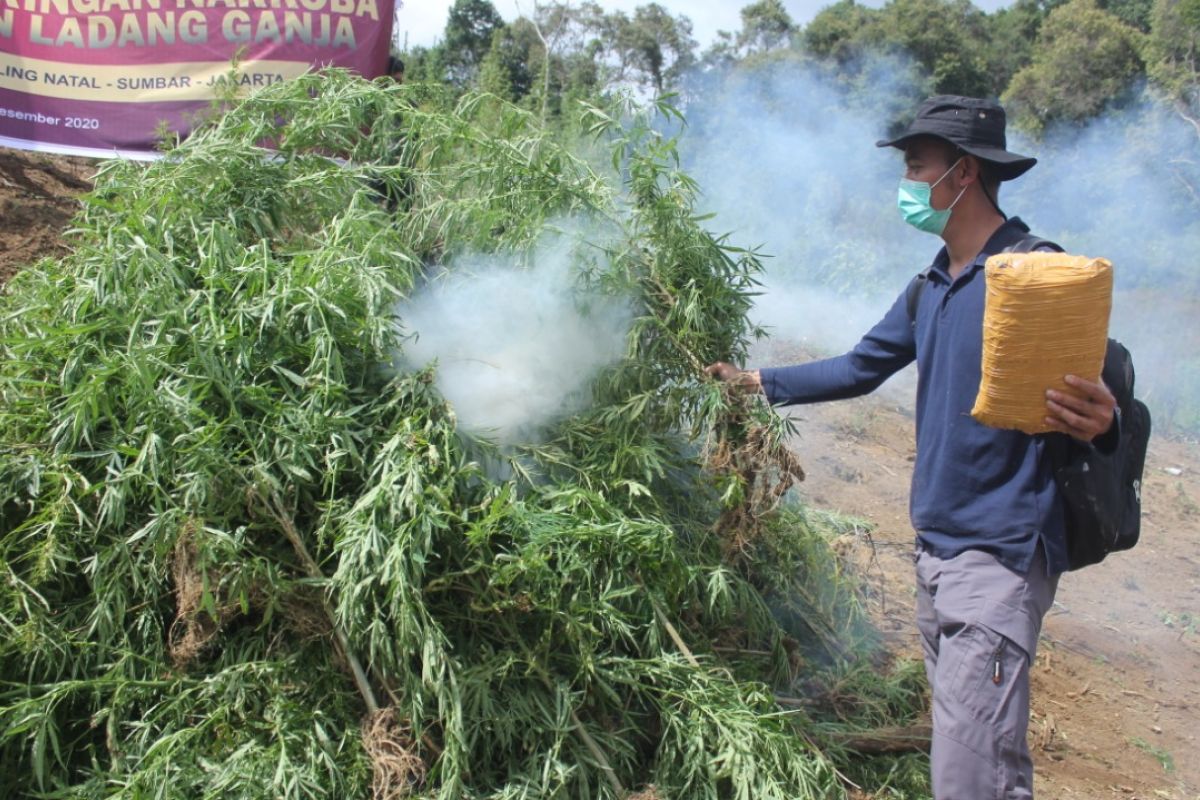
column 103, row 77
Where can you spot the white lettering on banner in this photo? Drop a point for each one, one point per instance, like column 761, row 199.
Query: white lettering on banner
column 115, row 69
column 165, row 28
column 303, row 27
column 29, row 116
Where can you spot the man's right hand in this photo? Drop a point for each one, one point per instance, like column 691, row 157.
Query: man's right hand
column 748, row 380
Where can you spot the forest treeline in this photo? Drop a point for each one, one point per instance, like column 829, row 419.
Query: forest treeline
column 1049, row 61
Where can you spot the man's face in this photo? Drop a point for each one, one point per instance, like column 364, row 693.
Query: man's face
column 927, row 160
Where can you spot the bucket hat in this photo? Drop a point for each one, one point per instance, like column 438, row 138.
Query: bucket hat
column 975, row 126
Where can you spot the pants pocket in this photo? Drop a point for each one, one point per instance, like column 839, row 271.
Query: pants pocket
column 991, row 678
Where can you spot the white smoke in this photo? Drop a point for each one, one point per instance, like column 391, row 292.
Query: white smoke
column 516, row 338
column 788, row 164
column 1126, row 187
column 786, row 158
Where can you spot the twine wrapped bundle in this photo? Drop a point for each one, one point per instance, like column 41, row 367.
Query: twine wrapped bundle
column 1046, row 316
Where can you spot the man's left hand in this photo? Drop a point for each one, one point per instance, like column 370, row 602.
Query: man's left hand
column 1084, row 416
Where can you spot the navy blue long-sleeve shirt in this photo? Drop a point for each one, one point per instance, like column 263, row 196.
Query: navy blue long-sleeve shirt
column 973, row 487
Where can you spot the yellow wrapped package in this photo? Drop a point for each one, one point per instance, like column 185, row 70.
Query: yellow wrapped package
column 1045, row 316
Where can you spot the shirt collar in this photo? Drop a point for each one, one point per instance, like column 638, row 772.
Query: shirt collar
column 1008, row 234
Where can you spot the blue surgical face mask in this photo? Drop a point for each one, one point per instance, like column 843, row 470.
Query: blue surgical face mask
column 913, row 201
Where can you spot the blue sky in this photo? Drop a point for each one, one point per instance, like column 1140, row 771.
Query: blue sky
column 423, row 20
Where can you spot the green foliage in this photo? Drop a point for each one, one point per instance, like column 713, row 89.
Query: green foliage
column 767, row 32
column 425, row 65
column 564, row 52
column 945, row 37
column 470, row 26
column 766, row 25
column 810, row 588
column 893, row 777
column 561, row 54
column 1135, row 13
column 840, row 31
column 1160, row 754
column 1085, row 59
column 1012, row 32
column 564, row 55
column 1171, row 54
column 653, row 47
column 509, row 68
column 231, row 529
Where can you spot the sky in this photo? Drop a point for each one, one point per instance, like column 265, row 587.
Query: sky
column 422, row 21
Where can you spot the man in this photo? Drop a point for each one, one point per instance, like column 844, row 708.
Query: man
column 395, row 69
column 984, row 503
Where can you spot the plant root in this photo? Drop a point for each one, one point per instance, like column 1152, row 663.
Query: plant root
column 398, row 769
column 193, row 628
column 765, row 469
column 649, row 793
column 304, row 615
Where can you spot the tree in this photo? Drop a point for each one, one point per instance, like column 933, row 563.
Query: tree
column 508, row 69
column 722, row 53
column 1010, row 35
column 945, row 37
column 1172, row 51
column 766, row 25
column 1136, row 13
column 425, row 64
column 654, row 46
column 576, row 52
column 468, row 37
column 1084, row 59
column 565, row 52
column 839, row 31
column 550, row 24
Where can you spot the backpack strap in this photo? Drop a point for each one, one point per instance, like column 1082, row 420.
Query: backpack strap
column 912, row 295
column 1026, row 244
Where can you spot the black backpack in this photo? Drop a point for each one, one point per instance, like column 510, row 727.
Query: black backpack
column 1102, row 491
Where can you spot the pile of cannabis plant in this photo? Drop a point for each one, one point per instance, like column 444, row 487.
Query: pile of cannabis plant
column 245, row 553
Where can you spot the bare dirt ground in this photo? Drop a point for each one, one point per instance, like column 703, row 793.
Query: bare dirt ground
column 1116, row 688
column 1116, row 706
column 37, row 200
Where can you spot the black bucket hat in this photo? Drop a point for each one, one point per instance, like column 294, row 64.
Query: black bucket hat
column 973, row 125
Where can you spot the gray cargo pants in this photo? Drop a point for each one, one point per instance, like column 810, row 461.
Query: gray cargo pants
column 979, row 624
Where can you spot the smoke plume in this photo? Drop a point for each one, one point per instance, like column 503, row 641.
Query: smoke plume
column 786, row 158
column 516, row 338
